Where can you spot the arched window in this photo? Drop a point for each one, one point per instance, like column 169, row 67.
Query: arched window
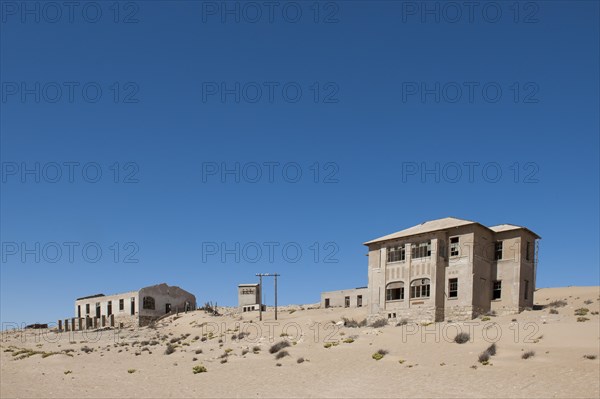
column 148, row 303
column 420, row 288
column 394, row 291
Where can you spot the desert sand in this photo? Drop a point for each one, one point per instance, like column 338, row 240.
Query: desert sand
column 421, row 360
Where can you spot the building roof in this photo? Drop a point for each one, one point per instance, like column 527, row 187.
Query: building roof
column 443, row 224
column 90, row 297
column 508, row 227
column 425, row 227
column 248, row 285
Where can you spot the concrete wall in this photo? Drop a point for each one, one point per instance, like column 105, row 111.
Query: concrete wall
column 121, row 316
column 475, row 268
column 248, row 295
column 175, row 297
column 162, row 294
column 338, row 298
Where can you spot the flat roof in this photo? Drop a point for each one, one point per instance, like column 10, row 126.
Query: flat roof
column 90, row 297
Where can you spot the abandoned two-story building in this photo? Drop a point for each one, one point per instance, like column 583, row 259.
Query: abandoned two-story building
column 447, row 269
column 134, row 308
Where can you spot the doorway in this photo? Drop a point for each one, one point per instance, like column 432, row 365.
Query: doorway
column 168, row 308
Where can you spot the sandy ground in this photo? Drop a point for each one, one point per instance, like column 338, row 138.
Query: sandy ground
column 423, row 361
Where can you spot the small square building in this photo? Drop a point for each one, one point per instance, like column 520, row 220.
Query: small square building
column 248, row 297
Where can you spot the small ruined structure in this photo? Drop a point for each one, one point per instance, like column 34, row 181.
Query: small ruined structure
column 248, row 297
column 351, row 298
column 134, row 308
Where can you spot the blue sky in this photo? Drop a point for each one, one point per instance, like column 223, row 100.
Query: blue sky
column 162, row 97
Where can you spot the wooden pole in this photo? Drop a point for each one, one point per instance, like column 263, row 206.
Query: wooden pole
column 276, row 296
column 260, row 298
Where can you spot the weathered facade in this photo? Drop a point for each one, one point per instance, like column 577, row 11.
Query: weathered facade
column 134, row 308
column 248, row 297
column 451, row 269
column 351, row 298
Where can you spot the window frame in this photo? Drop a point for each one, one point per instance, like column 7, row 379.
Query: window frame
column 454, row 246
column 148, row 303
column 421, row 250
column 398, row 290
column 498, row 250
column 496, row 287
column 423, row 290
column 396, row 254
column 452, row 281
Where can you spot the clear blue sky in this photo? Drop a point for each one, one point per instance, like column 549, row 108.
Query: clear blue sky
column 370, row 115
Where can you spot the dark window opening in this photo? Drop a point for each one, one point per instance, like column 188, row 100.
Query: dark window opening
column 453, row 288
column 132, row 306
column 359, row 301
column 98, row 309
column 420, row 288
column 421, row 250
column 79, row 311
column 527, row 250
column 347, row 302
column 168, row 308
column 148, row 303
column 396, row 254
column 498, row 250
column 326, row 302
column 109, row 308
column 497, row 290
column 121, row 304
column 454, row 246
column 526, row 294
column 394, row 291
column 87, row 308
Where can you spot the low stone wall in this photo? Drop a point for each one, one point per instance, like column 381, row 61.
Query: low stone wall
column 427, row 314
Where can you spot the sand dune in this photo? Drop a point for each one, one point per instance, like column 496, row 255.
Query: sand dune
column 421, row 361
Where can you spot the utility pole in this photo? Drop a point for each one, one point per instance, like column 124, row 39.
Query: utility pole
column 260, row 276
column 260, row 294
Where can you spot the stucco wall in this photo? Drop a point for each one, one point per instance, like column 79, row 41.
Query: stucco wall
column 162, row 294
column 475, row 268
column 338, row 298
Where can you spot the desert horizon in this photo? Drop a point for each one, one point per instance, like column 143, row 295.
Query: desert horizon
column 197, row 354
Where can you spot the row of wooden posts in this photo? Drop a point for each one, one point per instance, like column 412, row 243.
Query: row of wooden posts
column 86, row 323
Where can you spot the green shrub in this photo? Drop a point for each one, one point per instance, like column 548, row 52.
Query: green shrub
column 581, row 311
column 199, row 369
column 379, row 354
column 484, row 357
